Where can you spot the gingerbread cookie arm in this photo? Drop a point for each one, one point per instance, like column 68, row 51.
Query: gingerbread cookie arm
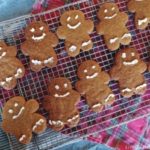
column 123, row 17
column 114, row 73
column 76, row 97
column 100, row 28
column 53, row 39
column 132, row 6
column 61, row 32
column 12, row 51
column 141, row 67
column 32, row 105
column 47, row 103
column 89, row 26
column 105, row 77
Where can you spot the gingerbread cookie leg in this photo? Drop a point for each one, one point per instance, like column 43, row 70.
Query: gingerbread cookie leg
column 73, row 120
column 25, row 137
column 112, row 43
column 55, row 124
column 39, row 123
column 87, row 44
column 73, row 48
column 126, row 38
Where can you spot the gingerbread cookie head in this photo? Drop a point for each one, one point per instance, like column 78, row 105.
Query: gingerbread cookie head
column 108, row 11
column 20, row 119
column 36, row 31
column 72, row 19
column 128, row 58
column 60, row 87
column 88, row 70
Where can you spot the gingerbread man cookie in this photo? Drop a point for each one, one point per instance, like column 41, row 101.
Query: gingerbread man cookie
column 61, row 104
column 128, row 71
column 39, row 46
column 141, row 8
column 11, row 68
column 93, row 85
column 112, row 26
column 75, row 31
column 20, row 119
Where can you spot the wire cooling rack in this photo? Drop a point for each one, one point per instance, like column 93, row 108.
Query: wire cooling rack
column 34, row 85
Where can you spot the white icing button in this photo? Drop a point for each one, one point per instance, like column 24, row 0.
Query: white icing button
column 105, row 11
column 113, row 8
column 16, row 104
column 85, row 71
column 93, row 67
column 133, row 54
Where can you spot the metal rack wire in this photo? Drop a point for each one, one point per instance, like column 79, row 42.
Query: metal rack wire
column 34, row 85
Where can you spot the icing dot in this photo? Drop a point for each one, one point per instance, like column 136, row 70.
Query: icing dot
column 0, row 48
column 133, row 54
column 32, row 30
column 16, row 104
column 68, row 19
column 57, row 87
column 93, row 67
column 41, row 28
column 65, row 85
column 85, row 71
column 123, row 55
column 105, row 11
column 10, row 111
column 113, row 8
column 76, row 17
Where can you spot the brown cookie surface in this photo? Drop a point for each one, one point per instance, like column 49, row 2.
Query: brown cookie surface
column 20, row 119
column 75, row 30
column 113, row 26
column 93, row 85
column 61, row 104
column 141, row 8
column 10, row 67
column 39, row 46
column 128, row 71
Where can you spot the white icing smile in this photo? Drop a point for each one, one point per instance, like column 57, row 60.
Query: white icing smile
column 46, row 61
column 92, row 76
column 2, row 55
column 110, row 17
column 38, row 38
column 131, row 63
column 19, row 113
column 74, row 27
column 64, row 95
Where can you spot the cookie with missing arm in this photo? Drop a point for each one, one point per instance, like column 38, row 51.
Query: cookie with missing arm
column 142, row 12
column 11, row 68
column 93, row 85
column 75, row 30
column 39, row 46
column 113, row 26
column 20, row 119
column 61, row 104
column 128, row 71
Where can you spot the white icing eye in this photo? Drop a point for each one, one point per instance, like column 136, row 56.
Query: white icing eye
column 32, row 30
column 0, row 48
column 65, row 85
column 105, row 11
column 57, row 87
column 76, row 17
column 85, row 71
column 68, row 19
column 41, row 28
column 113, row 8
column 123, row 55
column 93, row 67
column 10, row 111
column 16, row 104
column 132, row 54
